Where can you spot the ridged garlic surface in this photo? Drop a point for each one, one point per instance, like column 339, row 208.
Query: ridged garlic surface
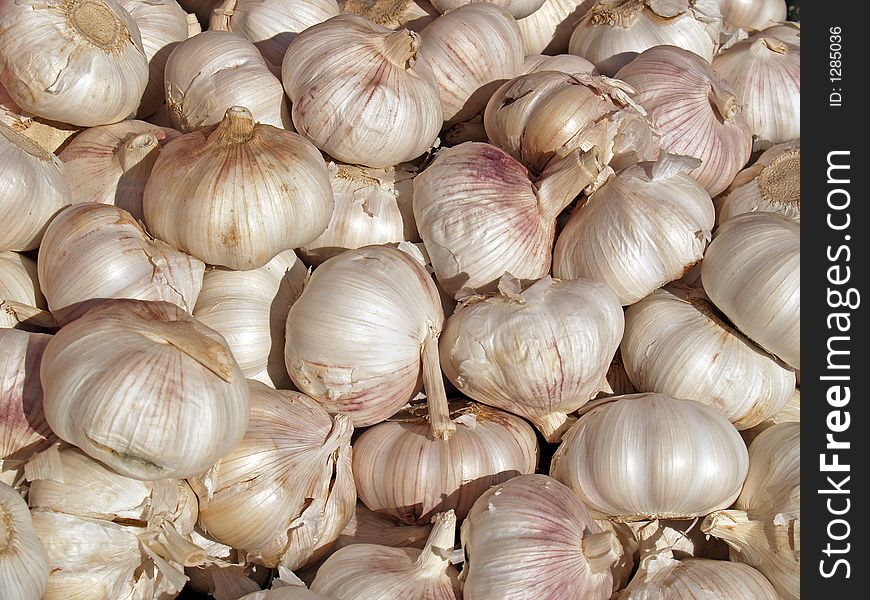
column 110, row 164
column 696, row 111
column 787, row 31
column 92, row 252
column 771, row 184
column 566, row 63
column 540, row 353
column 677, row 343
column 271, row 24
column 285, row 491
column 104, row 70
column 24, row 564
column 751, row 272
column 641, row 229
column 680, row 539
column 613, row 32
column 20, row 296
column 402, row 471
column 361, row 93
column 470, row 50
column 392, row 14
column 752, row 15
column 144, row 388
column 790, row 413
column 516, row 8
column 214, row 71
column 532, row 537
column 33, row 187
column 649, row 456
column 50, row 135
column 251, row 192
column 548, row 29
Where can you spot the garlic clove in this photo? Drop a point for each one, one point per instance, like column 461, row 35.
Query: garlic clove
column 24, row 563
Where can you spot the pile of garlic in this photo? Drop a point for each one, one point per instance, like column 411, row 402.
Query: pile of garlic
column 399, row 300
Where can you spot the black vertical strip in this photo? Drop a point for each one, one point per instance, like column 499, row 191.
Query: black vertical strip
column 834, row 264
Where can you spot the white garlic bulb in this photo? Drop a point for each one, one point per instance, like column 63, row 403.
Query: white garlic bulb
column 111, row 163
column 686, row 459
column 20, row 296
column 214, row 71
column 613, row 32
column 763, row 529
column 566, row 63
column 330, row 72
column 105, row 71
column 271, row 24
column 34, row 188
column 174, row 374
column 285, row 491
column 470, row 50
column 766, row 74
column 24, row 562
column 50, row 135
column 249, row 309
column 532, row 537
column 548, row 29
column 771, row 184
column 540, row 353
column 751, row 272
column 402, row 471
column 392, row 14
column 752, row 15
column 92, row 252
column 677, row 343
column 516, row 8
column 383, row 573
column 251, row 192
column 643, row 228
column 696, row 111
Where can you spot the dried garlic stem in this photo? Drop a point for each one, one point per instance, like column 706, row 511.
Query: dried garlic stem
column 563, row 179
column 602, row 550
column 433, row 382
column 553, row 426
column 434, row 558
column 138, row 152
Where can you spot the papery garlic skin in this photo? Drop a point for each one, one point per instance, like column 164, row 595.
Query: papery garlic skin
column 532, row 537
column 675, row 343
column 201, row 8
column 368, row 527
column 110, row 164
column 105, row 71
column 566, row 63
column 516, row 8
column 92, row 252
column 680, row 539
column 392, row 14
column 33, row 189
column 330, row 73
column 271, row 24
column 173, row 374
column 790, row 413
column 50, row 135
column 771, row 184
column 696, row 111
column 214, row 71
column 687, row 460
column 19, row 290
column 24, row 564
column 470, row 50
column 286, row 593
column 548, row 29
column 751, row 272
column 752, row 15
column 788, row 31
column 251, row 192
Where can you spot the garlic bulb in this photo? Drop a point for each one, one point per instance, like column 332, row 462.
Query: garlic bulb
column 643, row 228
column 24, row 431
column 532, row 537
column 372, row 207
column 548, row 29
column 566, row 63
column 105, row 71
column 249, row 309
column 649, row 456
column 790, row 413
column 33, row 189
column 539, row 353
column 251, row 192
column 677, row 343
column 111, row 163
column 763, row 529
column 92, row 252
column 752, row 15
column 613, row 32
column 751, row 272
column 666, row 578
column 516, row 8
column 174, row 374
column 766, row 74
column 383, row 573
column 216, row 70
column 162, row 25
column 402, row 471
column 20, row 296
column 789, row 32
column 363, row 329
column 331, row 73
column 284, row 493
column 771, row 184
column 696, row 111
column 470, row 50
column 271, row 24
column 23, row 560
column 392, row 14
column 50, row 135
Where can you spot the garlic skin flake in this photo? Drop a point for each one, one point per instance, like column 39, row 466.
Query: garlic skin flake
column 548, row 29
column 771, row 184
column 648, row 456
column 173, row 374
column 20, row 296
column 104, row 71
column 566, row 63
column 360, row 92
column 24, row 564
